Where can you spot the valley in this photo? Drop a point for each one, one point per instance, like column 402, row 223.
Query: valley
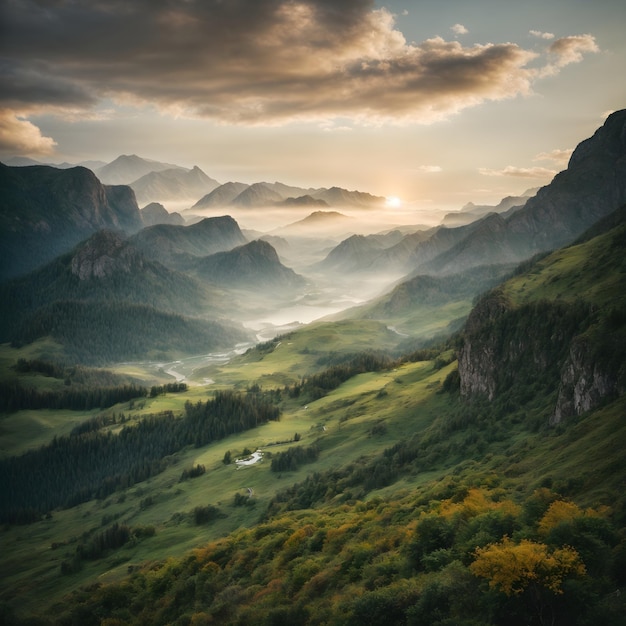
column 277, row 415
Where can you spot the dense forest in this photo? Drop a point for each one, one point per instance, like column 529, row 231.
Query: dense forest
column 92, row 464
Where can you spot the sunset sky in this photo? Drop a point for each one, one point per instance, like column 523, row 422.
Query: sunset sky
column 437, row 102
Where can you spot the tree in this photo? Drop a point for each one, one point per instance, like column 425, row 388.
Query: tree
column 528, row 569
column 513, row 567
column 227, row 458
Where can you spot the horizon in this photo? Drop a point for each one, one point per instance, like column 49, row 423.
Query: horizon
column 431, row 107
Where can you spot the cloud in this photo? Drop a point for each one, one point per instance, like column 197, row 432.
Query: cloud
column 430, row 169
column 560, row 157
column 520, row 172
column 459, row 29
column 568, row 50
column 253, row 61
column 541, row 35
column 19, row 136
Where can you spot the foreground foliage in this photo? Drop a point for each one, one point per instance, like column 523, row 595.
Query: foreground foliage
column 476, row 558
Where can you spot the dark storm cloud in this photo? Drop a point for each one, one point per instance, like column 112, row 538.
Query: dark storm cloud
column 250, row 61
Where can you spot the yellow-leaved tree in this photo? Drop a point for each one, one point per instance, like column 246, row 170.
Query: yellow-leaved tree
column 513, row 567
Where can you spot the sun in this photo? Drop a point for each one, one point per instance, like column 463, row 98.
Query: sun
column 393, row 202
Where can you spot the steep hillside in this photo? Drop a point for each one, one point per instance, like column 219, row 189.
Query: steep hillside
column 592, row 186
column 564, row 319
column 46, row 211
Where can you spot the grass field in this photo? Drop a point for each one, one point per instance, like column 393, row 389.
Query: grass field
column 341, row 423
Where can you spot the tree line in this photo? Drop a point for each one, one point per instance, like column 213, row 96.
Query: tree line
column 15, row 397
column 93, row 464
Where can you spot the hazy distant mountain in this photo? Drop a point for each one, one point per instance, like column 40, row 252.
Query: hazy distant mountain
column 19, row 161
column 221, row 196
column 471, row 211
column 45, row 211
column 254, row 265
column 173, row 184
column 318, row 223
column 336, row 196
column 128, row 168
column 432, row 291
column 353, row 254
column 278, row 194
column 304, row 201
column 257, row 195
column 155, row 213
column 176, row 245
column 593, row 185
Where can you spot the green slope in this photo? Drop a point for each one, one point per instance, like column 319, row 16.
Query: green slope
column 416, row 491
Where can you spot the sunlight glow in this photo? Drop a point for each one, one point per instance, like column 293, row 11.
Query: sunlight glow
column 393, row 202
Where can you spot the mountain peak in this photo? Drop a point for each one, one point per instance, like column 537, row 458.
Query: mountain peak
column 104, row 254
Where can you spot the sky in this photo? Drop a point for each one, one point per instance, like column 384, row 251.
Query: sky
column 434, row 102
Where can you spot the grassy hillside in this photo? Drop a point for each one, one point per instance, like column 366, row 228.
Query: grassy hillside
column 404, row 502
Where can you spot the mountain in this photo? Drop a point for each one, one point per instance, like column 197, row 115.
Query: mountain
column 404, row 254
column 93, row 299
column 304, row 201
column 354, row 254
column 257, row 195
column 558, row 327
column 107, row 266
column 220, row 196
column 128, row 168
column 25, row 161
column 278, row 194
column 471, row 211
column 592, row 186
column 177, row 245
column 45, row 211
column 156, row 213
column 253, row 265
column 316, row 224
column 173, row 184
column 336, row 196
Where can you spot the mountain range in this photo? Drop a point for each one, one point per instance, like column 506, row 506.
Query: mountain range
column 352, row 471
column 264, row 194
column 592, row 186
column 60, row 208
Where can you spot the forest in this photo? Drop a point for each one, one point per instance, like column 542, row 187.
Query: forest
column 92, row 464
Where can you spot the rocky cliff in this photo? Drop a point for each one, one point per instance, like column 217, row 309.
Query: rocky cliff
column 557, row 328
column 45, row 211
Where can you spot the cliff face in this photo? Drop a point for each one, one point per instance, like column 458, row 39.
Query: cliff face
column 584, row 383
column 105, row 254
column 557, row 330
column 519, row 348
column 45, row 212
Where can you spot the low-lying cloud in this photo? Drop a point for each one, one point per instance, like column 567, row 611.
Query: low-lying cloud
column 520, row 172
column 255, row 61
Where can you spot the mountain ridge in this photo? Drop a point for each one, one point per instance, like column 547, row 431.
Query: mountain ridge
column 45, row 211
